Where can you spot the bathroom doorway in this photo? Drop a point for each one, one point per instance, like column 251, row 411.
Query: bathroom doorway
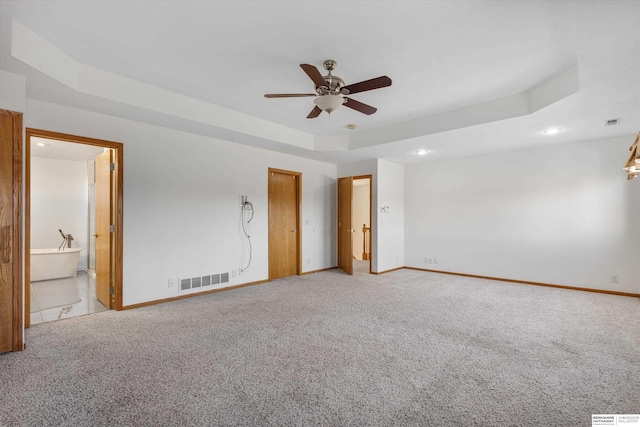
column 73, row 194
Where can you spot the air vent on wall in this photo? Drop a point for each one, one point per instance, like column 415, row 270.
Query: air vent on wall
column 197, row 282
column 611, row 122
column 206, row 280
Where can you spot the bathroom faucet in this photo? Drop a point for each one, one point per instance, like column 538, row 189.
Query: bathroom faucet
column 67, row 240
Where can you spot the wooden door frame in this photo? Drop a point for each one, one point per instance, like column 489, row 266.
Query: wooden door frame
column 298, row 211
column 118, row 148
column 17, row 321
column 370, row 178
column 353, row 178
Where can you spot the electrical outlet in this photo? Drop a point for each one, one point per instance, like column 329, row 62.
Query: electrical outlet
column 435, row 260
column 308, row 261
column 425, row 260
column 234, row 273
column 172, row 283
column 615, row 278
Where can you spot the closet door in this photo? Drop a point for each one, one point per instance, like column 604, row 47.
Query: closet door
column 10, row 231
column 284, row 223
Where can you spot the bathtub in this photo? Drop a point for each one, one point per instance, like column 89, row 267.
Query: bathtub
column 47, row 264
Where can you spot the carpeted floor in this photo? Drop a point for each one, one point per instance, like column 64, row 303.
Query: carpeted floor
column 406, row 348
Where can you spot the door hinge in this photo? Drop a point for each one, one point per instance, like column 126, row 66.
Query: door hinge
column 112, row 229
column 112, row 166
column 112, row 290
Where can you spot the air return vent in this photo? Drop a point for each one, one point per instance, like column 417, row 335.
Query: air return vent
column 198, row 282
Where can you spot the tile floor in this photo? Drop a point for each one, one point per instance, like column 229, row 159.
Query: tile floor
column 63, row 298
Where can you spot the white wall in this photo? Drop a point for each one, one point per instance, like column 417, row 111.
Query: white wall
column 387, row 229
column 182, row 201
column 12, row 92
column 562, row 215
column 59, row 200
column 390, row 223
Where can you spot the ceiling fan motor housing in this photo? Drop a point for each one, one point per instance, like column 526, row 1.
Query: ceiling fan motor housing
column 334, row 83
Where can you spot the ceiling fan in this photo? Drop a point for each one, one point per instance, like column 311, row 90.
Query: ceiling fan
column 331, row 90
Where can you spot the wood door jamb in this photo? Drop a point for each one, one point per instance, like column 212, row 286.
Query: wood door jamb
column 17, row 302
column 118, row 148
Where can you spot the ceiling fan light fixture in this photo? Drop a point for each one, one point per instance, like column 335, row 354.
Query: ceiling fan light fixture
column 329, row 102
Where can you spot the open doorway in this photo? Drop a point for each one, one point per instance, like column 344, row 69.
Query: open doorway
column 354, row 224
column 73, row 242
column 361, row 221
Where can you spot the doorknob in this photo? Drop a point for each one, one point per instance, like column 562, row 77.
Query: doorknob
column 96, row 235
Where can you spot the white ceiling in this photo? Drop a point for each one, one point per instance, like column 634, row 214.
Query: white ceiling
column 442, row 56
column 54, row 149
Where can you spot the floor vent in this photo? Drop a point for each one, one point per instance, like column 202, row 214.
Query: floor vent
column 198, row 282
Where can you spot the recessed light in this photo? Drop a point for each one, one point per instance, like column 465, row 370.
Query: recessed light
column 351, row 126
column 552, row 131
column 421, row 152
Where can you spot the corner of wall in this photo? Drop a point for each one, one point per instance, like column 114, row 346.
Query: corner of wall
column 13, row 92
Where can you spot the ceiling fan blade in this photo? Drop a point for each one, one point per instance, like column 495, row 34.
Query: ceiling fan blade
column 359, row 106
column 377, row 83
column 289, row 95
column 314, row 113
column 314, row 74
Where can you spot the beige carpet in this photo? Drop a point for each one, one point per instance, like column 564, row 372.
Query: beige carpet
column 404, row 348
